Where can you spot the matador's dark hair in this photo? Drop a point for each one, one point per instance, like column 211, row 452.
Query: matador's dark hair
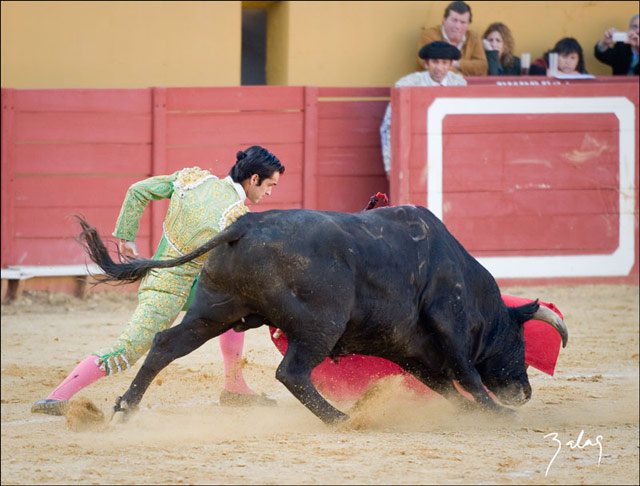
column 255, row 160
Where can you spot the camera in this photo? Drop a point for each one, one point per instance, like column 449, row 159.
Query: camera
column 619, row 37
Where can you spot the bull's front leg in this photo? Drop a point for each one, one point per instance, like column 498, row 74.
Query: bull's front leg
column 469, row 379
column 438, row 381
column 294, row 372
column 451, row 323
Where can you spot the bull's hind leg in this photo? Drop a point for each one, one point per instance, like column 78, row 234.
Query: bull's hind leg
column 294, row 373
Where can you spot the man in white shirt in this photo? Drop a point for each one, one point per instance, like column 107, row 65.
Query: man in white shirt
column 437, row 58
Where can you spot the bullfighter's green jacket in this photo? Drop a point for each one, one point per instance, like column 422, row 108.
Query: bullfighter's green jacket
column 200, row 206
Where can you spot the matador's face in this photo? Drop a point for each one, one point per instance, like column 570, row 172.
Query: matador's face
column 256, row 191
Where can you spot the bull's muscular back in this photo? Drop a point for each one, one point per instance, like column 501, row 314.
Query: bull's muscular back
column 375, row 267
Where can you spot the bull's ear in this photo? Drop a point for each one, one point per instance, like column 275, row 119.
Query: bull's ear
column 524, row 313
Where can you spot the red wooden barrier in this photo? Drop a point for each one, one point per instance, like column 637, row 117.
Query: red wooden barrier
column 77, row 151
column 349, row 160
column 537, row 181
column 68, row 151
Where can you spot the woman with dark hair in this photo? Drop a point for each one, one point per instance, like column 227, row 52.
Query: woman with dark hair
column 570, row 58
column 498, row 46
column 201, row 205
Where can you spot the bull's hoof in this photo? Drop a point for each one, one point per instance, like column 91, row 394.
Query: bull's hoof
column 510, row 414
column 505, row 412
column 123, row 407
column 232, row 399
column 337, row 419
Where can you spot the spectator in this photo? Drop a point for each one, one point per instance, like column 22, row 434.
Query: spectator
column 622, row 56
column 437, row 58
column 454, row 30
column 498, row 46
column 570, row 58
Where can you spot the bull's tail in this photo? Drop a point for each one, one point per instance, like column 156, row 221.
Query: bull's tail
column 133, row 270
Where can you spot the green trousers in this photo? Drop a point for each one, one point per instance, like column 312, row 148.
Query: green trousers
column 162, row 294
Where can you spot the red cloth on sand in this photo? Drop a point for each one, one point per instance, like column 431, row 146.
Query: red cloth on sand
column 348, row 377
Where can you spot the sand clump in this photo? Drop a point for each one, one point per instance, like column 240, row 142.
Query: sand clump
column 82, row 415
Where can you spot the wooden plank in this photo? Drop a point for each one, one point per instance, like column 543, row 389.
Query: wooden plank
column 7, row 171
column 55, row 158
column 269, row 205
column 352, row 109
column 353, row 92
column 288, row 191
column 347, row 193
column 542, row 252
column 350, row 161
column 580, row 233
column 245, row 98
column 56, row 222
column 244, row 128
column 550, row 203
column 159, row 160
column 310, row 168
column 102, row 127
column 418, row 154
column 528, row 123
column 531, row 155
column 360, row 132
column 220, row 158
column 136, row 100
column 556, row 160
column 401, row 153
column 82, row 191
column 60, row 251
column 418, row 197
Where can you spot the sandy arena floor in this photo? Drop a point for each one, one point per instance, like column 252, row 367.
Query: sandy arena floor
column 182, row 436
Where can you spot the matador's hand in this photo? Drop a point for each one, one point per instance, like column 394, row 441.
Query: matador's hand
column 128, row 248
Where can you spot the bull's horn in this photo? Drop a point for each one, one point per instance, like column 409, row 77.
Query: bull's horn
column 547, row 315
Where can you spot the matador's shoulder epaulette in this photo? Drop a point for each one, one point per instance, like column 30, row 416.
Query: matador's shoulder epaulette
column 190, row 178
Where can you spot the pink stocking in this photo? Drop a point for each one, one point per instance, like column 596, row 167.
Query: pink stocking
column 82, row 376
column 231, row 344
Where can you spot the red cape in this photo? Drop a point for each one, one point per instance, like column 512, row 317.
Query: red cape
column 349, row 376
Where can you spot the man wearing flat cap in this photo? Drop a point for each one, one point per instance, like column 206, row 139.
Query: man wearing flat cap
column 437, row 58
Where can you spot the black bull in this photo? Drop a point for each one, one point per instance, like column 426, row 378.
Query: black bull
column 392, row 283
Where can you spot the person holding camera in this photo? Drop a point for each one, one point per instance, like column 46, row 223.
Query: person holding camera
column 620, row 49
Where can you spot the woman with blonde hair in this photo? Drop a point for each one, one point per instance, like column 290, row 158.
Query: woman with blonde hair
column 498, row 44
